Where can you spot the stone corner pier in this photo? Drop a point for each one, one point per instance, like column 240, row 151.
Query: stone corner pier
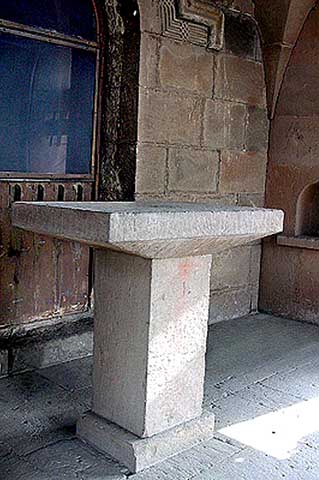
column 151, row 285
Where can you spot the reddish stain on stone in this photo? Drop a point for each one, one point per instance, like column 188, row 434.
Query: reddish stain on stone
column 184, row 269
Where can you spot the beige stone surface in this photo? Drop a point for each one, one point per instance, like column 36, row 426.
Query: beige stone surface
column 193, row 101
column 295, row 141
column 231, row 268
column 242, row 172
column 192, row 170
column 301, row 81
column 151, row 230
column 152, row 337
column 141, row 453
column 148, row 76
column 169, row 118
column 229, row 304
column 151, row 168
column 215, row 199
column 289, row 281
column 186, row 66
column 240, row 80
column 251, row 199
column 150, row 16
column 224, row 124
column 281, row 21
column 257, row 129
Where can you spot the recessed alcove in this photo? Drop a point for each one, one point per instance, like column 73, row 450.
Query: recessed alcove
column 307, row 212
column 307, row 221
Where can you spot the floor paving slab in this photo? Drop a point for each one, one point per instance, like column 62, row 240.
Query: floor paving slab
column 251, row 402
column 71, row 459
column 303, row 381
column 190, row 463
column 73, row 375
column 254, row 349
column 84, row 396
column 251, row 465
column 35, row 412
column 5, row 450
column 13, row 467
column 261, row 370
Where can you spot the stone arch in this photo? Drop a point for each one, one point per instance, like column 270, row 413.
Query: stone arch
column 280, row 24
column 290, row 262
column 294, row 146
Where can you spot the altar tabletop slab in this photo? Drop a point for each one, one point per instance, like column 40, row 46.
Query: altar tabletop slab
column 150, row 230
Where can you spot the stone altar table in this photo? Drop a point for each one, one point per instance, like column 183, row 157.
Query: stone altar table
column 151, row 284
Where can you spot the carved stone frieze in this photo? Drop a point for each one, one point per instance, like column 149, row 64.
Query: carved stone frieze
column 196, row 21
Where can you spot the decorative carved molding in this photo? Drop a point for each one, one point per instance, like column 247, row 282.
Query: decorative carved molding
column 196, row 21
column 205, row 13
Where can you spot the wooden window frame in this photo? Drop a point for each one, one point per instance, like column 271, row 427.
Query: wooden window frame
column 56, row 38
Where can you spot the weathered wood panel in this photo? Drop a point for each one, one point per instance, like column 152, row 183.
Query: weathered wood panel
column 40, row 277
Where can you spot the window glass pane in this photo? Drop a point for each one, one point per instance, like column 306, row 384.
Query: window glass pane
column 71, row 17
column 46, row 107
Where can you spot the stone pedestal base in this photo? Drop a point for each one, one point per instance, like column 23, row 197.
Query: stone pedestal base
column 150, row 332
column 139, row 453
column 151, row 289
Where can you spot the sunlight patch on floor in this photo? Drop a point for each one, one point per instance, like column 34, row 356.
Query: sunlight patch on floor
column 278, row 433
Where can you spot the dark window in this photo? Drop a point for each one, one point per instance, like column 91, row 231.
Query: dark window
column 47, row 87
column 70, row 17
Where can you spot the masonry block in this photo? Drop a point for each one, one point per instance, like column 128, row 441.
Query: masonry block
column 231, row 268
column 192, row 170
column 150, row 16
column 300, row 82
column 283, row 290
column 257, row 129
column 242, row 172
column 148, row 76
column 294, row 142
column 186, row 66
column 241, row 80
column 251, row 199
column 162, row 339
column 169, row 118
column 229, row 304
column 224, row 124
column 151, row 169
column 139, row 453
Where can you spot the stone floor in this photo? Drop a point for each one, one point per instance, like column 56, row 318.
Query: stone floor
column 262, row 382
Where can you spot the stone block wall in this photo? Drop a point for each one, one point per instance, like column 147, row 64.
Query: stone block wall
column 290, row 281
column 203, row 133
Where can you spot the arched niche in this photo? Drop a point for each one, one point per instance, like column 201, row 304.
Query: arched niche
column 307, row 214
